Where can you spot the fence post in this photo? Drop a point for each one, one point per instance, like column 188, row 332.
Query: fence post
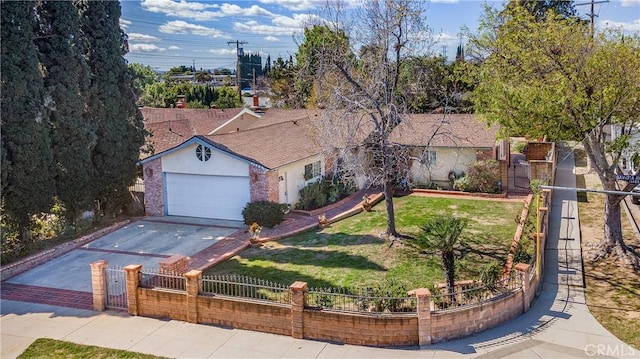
column 523, row 271
column 98, row 285
column 298, row 299
column 133, row 281
column 423, row 296
column 194, row 280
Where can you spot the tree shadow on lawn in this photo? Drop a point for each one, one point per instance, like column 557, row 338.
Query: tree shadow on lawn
column 320, row 239
column 480, row 245
column 276, row 275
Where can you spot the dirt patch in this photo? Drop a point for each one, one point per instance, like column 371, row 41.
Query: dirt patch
column 612, row 290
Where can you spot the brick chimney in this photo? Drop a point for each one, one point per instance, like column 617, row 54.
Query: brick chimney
column 182, row 101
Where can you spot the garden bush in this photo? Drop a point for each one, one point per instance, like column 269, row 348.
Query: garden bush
column 323, row 192
column 482, row 176
column 265, row 213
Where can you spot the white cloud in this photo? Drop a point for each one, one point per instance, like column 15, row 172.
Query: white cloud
column 173, row 47
column 185, row 9
column 271, row 38
column 124, row 23
column 143, row 37
column 235, row 10
column 633, row 26
column 183, row 27
column 630, row 3
column 280, row 25
column 444, row 38
column 253, row 27
column 222, row 51
column 145, row 48
column 297, row 21
column 299, row 5
column 201, row 11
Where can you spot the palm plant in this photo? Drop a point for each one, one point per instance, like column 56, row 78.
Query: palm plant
column 441, row 235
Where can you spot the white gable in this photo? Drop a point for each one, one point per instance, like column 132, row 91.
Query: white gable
column 184, row 160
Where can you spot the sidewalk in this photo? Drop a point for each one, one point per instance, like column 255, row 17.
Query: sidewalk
column 558, row 325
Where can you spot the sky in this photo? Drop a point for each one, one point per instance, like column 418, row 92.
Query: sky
column 168, row 33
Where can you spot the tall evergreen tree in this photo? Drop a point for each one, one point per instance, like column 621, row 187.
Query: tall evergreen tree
column 120, row 131
column 66, row 79
column 27, row 186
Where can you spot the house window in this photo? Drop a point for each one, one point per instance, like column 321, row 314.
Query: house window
column 432, row 157
column 312, row 170
column 203, row 153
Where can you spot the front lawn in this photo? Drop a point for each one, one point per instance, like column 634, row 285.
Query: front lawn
column 350, row 253
column 50, row 348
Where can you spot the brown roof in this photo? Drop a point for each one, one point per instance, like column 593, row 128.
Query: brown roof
column 273, row 145
column 452, row 130
column 165, row 136
column 281, row 137
column 172, row 126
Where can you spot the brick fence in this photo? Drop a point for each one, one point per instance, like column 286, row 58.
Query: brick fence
column 423, row 327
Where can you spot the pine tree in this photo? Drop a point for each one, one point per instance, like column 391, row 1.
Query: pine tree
column 66, row 79
column 27, row 186
column 120, row 131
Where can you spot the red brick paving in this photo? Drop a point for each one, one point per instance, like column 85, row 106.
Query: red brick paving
column 44, row 295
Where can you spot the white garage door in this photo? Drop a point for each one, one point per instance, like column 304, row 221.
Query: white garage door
column 221, row 197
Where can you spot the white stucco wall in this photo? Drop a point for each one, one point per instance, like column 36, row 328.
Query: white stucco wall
column 220, row 163
column 447, row 159
column 293, row 179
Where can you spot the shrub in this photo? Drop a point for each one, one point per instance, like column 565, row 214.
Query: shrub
column 523, row 251
column 323, row 192
column 463, row 184
column 490, row 274
column 484, row 176
column 520, row 147
column 265, row 213
column 312, row 196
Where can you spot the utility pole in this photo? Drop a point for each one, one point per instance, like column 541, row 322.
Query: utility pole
column 194, row 71
column 592, row 15
column 239, row 54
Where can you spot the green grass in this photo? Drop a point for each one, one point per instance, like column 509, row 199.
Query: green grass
column 50, row 348
column 350, row 253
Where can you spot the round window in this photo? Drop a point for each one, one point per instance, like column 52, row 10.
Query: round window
column 203, row 153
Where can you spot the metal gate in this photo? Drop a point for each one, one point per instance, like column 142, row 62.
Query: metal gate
column 115, row 288
column 521, row 175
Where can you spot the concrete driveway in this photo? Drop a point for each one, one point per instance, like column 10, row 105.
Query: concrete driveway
column 141, row 242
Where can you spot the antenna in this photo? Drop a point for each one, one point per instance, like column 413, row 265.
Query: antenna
column 239, row 54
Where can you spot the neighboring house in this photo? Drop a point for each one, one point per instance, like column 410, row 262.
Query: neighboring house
column 444, row 145
column 630, row 159
column 202, row 168
column 210, row 163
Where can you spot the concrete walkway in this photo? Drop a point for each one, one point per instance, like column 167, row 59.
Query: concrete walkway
column 558, row 325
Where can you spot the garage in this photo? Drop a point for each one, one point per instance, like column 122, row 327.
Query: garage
column 206, row 196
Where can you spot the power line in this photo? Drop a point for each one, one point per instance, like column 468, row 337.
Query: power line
column 592, row 14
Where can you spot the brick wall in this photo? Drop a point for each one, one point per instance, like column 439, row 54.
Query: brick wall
column 447, row 325
column 396, row 330
column 176, row 264
column 245, row 314
column 258, row 185
column 162, row 304
column 153, row 191
column 538, row 150
column 273, row 186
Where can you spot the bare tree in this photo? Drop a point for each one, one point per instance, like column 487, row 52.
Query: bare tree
column 358, row 89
